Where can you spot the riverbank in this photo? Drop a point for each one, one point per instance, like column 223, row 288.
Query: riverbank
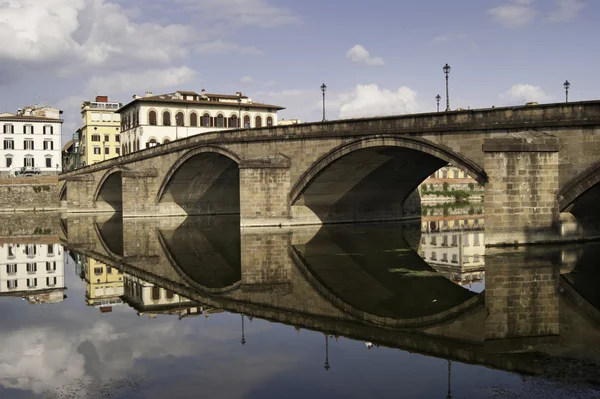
column 29, row 194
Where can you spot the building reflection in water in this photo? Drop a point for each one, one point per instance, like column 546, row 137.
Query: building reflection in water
column 32, row 271
column 454, row 245
column 104, row 285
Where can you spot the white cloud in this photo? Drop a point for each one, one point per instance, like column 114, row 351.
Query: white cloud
column 370, row 100
column 132, row 82
column 223, row 47
column 242, row 12
column 566, row 10
column 360, row 54
column 524, row 93
column 514, row 14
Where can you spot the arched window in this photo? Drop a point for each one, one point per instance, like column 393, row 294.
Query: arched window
column 258, row 121
column 193, row 119
column 152, row 118
column 233, row 121
column 220, row 121
column 151, row 143
column 205, row 120
column 269, row 121
column 247, row 122
column 169, row 294
column 166, row 118
column 179, row 119
column 155, row 293
column 166, row 141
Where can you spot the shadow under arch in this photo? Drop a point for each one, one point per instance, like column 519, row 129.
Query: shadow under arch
column 62, row 196
column 205, row 252
column 581, row 197
column 205, row 180
column 370, row 178
column 110, row 236
column 374, row 275
column 110, row 188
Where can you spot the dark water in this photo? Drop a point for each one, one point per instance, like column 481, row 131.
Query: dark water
column 195, row 308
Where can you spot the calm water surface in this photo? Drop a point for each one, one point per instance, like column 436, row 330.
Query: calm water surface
column 97, row 307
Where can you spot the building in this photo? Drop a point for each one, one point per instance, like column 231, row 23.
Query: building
column 152, row 120
column 286, row 122
column 451, row 178
column 99, row 136
column 104, row 284
column 31, row 141
column 35, row 272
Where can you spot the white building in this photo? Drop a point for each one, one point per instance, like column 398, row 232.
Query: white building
column 152, row 120
column 31, row 141
column 35, row 272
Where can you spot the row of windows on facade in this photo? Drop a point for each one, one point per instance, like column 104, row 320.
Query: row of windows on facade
column 96, row 138
column 466, row 243
column 29, row 162
column 456, row 223
column 28, row 144
column 127, row 148
column 98, row 270
column 134, row 290
column 9, row 128
column 466, row 258
column 205, row 121
column 13, row 268
column 98, row 151
column 31, row 283
column 29, row 250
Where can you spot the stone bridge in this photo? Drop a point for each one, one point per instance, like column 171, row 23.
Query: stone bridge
column 289, row 276
column 534, row 161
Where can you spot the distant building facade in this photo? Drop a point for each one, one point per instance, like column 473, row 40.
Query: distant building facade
column 100, row 135
column 454, row 179
column 31, row 141
column 35, row 272
column 152, row 120
column 104, row 284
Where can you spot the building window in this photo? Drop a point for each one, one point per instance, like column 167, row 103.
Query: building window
column 106, row 137
column 269, row 121
column 31, row 267
column 152, row 118
column 444, row 257
column 12, row 284
column 155, row 293
column 32, row 282
column 107, row 150
column 151, row 143
column 50, row 281
column 205, row 122
column 179, row 119
column 220, row 121
column 8, row 128
column 48, row 162
column 48, row 129
column 48, row 145
column 445, row 174
column 166, row 118
column 454, row 258
column 455, row 174
column 454, row 240
column 465, row 259
column 30, row 250
column 50, row 266
column 476, row 239
column 118, row 138
column 28, row 129
column 433, row 256
column 475, row 258
column 11, row 252
column 96, row 137
column 28, row 144
column 233, row 121
column 118, row 150
column 9, row 144
column 29, row 162
column 11, row 268
column 258, row 121
column 97, row 271
column 97, row 150
column 246, row 122
column 193, row 119
column 108, row 270
column 166, row 141
column 169, row 294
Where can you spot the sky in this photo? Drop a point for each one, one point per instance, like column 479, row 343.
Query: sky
column 377, row 57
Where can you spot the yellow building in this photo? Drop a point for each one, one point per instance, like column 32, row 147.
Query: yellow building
column 104, row 284
column 100, row 134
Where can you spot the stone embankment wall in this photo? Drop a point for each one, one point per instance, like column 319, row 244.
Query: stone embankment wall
column 39, row 194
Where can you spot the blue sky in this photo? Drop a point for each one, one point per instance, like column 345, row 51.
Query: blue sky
column 377, row 57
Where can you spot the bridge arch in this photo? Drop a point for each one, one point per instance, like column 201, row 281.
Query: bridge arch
column 581, row 197
column 370, row 178
column 205, row 180
column 110, row 189
column 62, row 196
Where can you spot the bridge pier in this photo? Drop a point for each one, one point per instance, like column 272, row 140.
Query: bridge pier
column 521, row 206
column 139, row 192
column 265, row 261
column 264, row 188
column 81, row 193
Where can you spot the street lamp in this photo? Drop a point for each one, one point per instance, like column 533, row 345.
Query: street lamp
column 566, row 86
column 323, row 88
column 449, row 396
column 239, row 111
column 243, row 341
column 447, row 72
column 437, row 99
column 327, row 367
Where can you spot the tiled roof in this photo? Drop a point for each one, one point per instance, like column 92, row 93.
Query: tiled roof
column 20, row 118
column 167, row 98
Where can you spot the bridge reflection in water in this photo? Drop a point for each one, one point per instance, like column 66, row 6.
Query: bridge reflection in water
column 413, row 287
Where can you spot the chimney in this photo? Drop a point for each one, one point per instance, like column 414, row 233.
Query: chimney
column 238, row 93
column 101, row 99
column 148, row 94
column 203, row 91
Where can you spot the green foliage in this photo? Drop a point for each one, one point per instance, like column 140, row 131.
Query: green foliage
column 424, row 188
column 445, row 186
column 471, row 186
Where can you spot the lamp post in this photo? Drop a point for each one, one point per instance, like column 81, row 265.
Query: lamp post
column 437, row 99
column 327, row 367
column 449, row 396
column 566, row 86
column 239, row 111
column 447, row 72
column 323, row 88
column 243, row 341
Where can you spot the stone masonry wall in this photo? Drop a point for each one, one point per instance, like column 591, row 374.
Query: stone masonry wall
column 18, row 195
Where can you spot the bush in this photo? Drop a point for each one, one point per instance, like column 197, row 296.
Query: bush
column 445, row 186
column 471, row 186
column 424, row 188
column 431, row 187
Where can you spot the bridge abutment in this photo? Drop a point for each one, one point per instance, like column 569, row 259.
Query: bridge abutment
column 140, row 188
column 81, row 197
column 521, row 206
